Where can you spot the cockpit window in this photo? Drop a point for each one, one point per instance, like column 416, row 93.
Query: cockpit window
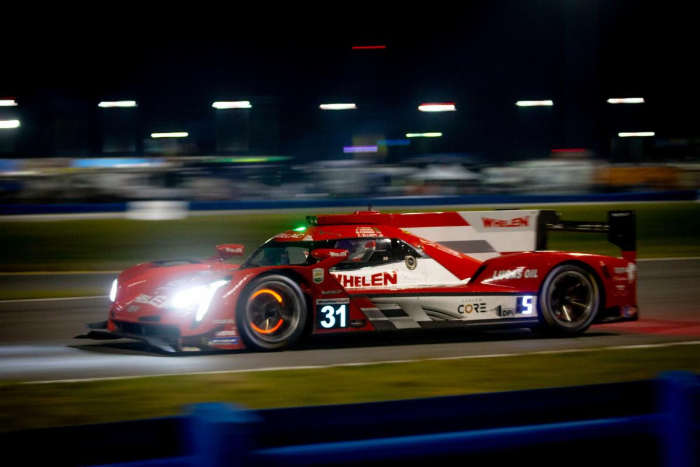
column 280, row 254
column 361, row 250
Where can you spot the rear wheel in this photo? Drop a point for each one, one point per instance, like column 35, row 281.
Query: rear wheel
column 568, row 300
column 272, row 313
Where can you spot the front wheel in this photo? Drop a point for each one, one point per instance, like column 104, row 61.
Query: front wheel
column 272, row 313
column 569, row 300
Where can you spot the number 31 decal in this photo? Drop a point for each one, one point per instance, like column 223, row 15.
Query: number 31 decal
column 332, row 315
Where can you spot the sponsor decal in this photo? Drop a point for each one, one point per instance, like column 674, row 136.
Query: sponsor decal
column 505, row 312
column 158, row 301
column 491, row 223
column 332, row 301
column 476, row 307
column 342, row 254
column 330, row 292
column 358, row 323
column 517, row 273
column 133, row 308
column 237, row 286
column 293, row 235
column 630, row 270
column 231, row 332
column 224, row 321
column 223, row 341
column 321, row 232
column 411, row 262
column 367, row 232
column 233, row 250
column 308, row 238
column 318, row 275
column 380, row 279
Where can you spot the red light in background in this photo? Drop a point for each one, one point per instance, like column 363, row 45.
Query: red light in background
column 568, row 150
column 368, row 47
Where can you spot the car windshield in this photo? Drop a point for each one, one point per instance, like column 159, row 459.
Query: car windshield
column 280, row 254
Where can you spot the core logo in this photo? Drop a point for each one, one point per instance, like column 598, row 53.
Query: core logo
column 478, row 307
column 234, row 250
column 499, row 223
column 380, row 279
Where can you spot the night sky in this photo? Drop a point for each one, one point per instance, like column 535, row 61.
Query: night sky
column 483, row 57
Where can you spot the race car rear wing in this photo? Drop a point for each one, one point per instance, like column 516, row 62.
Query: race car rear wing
column 621, row 229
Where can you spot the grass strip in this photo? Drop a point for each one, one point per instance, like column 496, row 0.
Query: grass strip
column 25, row 406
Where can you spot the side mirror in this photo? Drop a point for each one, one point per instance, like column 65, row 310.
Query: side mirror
column 325, row 253
column 229, row 250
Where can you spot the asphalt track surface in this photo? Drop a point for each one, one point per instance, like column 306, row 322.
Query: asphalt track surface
column 37, row 337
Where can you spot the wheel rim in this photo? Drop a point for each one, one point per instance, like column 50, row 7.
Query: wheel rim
column 572, row 299
column 272, row 312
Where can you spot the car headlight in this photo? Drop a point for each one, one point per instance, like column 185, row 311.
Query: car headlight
column 113, row 291
column 200, row 295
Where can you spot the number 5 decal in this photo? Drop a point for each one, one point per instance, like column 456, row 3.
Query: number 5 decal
column 525, row 305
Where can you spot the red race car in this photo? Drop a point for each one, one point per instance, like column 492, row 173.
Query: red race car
column 372, row 271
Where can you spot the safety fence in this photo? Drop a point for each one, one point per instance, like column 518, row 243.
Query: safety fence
column 181, row 208
column 651, row 422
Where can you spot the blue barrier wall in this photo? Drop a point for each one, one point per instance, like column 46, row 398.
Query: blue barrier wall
column 362, row 203
column 637, row 423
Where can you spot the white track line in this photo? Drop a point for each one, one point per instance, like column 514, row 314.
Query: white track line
column 685, row 258
column 359, row 364
column 58, row 273
column 29, row 300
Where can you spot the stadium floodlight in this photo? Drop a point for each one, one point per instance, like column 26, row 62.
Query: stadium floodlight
column 434, row 134
column 442, row 107
column 8, row 103
column 626, row 100
column 633, row 134
column 113, row 104
column 222, row 105
column 8, row 124
column 359, row 149
column 546, row 103
column 338, row 106
column 176, row 134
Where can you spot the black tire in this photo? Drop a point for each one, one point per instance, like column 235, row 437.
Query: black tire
column 271, row 313
column 569, row 300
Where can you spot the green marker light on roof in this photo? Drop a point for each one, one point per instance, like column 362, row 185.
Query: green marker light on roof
column 300, row 229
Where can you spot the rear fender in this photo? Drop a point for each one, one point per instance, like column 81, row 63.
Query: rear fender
column 521, row 272
column 525, row 272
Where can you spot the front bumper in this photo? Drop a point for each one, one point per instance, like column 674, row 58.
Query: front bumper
column 169, row 341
